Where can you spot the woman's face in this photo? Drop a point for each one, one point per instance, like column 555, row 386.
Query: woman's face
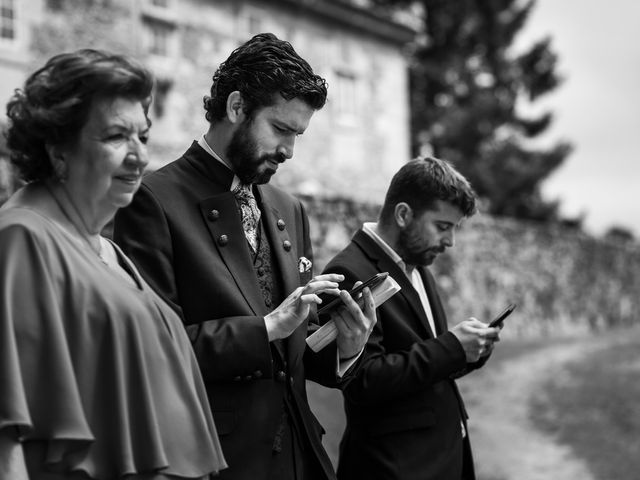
column 107, row 159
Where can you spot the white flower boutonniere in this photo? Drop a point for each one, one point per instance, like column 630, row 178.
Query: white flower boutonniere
column 304, row 265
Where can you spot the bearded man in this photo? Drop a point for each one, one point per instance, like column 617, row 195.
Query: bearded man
column 405, row 416
column 232, row 255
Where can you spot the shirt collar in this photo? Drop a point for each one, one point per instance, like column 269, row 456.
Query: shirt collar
column 371, row 229
column 207, row 148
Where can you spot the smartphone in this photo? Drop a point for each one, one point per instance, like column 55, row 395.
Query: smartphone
column 371, row 282
column 504, row 314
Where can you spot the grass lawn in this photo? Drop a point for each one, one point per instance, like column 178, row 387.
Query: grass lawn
column 594, row 407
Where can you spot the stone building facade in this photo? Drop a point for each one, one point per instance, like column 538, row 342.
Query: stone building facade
column 352, row 146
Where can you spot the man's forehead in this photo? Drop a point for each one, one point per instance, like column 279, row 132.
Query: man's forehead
column 444, row 211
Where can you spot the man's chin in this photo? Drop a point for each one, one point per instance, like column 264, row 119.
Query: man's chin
column 264, row 177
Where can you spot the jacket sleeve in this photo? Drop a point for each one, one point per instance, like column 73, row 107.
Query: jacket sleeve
column 389, row 372
column 228, row 348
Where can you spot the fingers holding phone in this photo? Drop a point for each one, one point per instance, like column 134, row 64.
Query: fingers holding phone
column 354, row 324
column 476, row 338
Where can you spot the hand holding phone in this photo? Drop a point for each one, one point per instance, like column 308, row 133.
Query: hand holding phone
column 354, row 292
column 496, row 322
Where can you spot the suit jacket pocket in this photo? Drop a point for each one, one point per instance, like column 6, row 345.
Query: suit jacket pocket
column 400, row 422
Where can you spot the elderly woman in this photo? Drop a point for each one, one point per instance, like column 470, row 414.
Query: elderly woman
column 97, row 376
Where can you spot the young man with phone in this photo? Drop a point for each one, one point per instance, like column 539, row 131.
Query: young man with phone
column 405, row 416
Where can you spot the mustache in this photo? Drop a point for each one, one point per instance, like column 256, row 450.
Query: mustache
column 276, row 157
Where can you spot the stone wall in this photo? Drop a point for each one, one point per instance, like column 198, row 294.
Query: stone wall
column 563, row 281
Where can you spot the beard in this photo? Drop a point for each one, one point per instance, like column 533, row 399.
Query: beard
column 412, row 249
column 248, row 165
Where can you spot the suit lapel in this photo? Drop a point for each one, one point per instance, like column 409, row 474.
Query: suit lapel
column 283, row 251
column 281, row 255
column 229, row 241
column 223, row 222
column 386, row 264
column 439, row 316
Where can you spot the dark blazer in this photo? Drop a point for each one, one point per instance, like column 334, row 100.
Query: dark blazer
column 183, row 230
column 403, row 408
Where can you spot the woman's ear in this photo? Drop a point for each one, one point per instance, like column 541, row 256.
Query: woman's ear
column 58, row 162
column 235, row 107
column 54, row 152
column 403, row 215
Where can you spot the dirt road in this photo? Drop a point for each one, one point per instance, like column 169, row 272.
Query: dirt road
column 506, row 443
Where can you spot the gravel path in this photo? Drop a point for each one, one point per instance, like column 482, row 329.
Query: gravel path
column 506, row 443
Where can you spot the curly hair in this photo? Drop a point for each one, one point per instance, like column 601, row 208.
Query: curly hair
column 260, row 68
column 423, row 181
column 56, row 101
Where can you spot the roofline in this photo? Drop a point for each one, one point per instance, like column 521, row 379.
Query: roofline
column 367, row 21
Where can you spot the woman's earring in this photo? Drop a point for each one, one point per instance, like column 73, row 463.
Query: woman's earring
column 60, row 171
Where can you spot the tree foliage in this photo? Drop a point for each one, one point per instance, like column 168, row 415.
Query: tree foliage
column 466, row 86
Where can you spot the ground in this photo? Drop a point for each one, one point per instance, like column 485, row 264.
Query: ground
column 507, row 443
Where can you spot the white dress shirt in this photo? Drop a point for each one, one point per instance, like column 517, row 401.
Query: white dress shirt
column 371, row 229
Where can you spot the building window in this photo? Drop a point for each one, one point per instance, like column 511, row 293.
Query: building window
column 345, row 93
column 159, row 38
column 250, row 23
column 8, row 20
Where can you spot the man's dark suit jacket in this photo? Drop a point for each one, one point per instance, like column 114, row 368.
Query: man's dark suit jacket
column 184, row 232
column 403, row 408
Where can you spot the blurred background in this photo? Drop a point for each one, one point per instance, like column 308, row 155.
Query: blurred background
column 536, row 102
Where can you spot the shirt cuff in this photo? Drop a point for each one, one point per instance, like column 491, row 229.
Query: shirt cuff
column 345, row 365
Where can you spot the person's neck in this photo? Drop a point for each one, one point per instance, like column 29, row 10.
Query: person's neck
column 218, row 140
column 389, row 235
column 83, row 217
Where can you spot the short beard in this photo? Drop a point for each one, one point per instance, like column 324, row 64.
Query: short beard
column 410, row 249
column 242, row 154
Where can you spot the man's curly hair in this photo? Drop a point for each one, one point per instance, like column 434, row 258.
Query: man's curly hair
column 259, row 69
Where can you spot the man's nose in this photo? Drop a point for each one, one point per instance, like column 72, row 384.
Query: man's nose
column 286, row 148
column 449, row 239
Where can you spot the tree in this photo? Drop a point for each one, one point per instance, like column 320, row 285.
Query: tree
column 466, row 85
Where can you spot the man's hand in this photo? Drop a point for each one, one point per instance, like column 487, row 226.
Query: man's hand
column 354, row 324
column 287, row 316
column 476, row 338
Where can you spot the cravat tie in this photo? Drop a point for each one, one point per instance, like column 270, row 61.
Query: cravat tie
column 250, row 213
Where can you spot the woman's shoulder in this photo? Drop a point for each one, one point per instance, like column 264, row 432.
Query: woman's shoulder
column 24, row 211
column 23, row 221
column 21, row 224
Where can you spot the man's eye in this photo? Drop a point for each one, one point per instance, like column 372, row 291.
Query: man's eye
column 144, row 138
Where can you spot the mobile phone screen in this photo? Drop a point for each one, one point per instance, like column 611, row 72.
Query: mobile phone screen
column 371, row 282
column 504, row 314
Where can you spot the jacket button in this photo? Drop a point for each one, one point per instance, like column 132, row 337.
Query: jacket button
column 257, row 374
column 286, row 245
column 281, row 376
column 281, row 224
column 248, row 378
column 237, row 379
column 214, row 215
column 223, row 240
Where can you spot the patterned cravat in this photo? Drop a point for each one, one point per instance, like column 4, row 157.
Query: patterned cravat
column 250, row 214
